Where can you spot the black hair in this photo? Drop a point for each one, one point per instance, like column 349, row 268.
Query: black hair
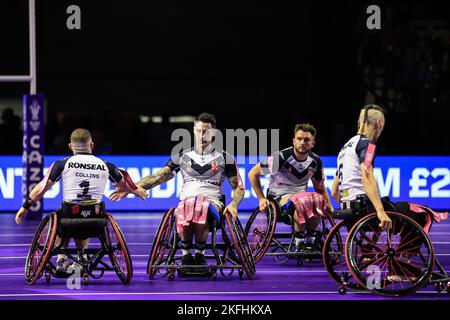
column 207, row 118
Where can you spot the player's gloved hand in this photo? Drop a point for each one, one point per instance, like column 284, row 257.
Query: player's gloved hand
column 232, row 209
column 20, row 215
column 263, row 204
column 385, row 221
column 141, row 193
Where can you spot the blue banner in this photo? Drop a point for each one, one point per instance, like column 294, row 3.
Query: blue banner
column 33, row 149
column 419, row 179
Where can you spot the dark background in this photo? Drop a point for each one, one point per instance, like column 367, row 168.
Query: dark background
column 265, row 64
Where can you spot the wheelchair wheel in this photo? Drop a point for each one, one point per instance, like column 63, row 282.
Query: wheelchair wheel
column 391, row 263
column 163, row 237
column 40, row 249
column 260, row 229
column 119, row 253
column 334, row 259
column 241, row 246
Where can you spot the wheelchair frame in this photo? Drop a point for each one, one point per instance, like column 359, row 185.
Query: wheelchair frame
column 271, row 238
column 43, row 248
column 235, row 252
column 348, row 273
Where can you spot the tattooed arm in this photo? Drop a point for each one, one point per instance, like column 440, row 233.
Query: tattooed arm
column 148, row 182
column 159, row 177
column 238, row 195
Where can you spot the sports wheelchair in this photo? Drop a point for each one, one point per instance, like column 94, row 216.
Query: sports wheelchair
column 232, row 254
column 359, row 255
column 267, row 238
column 80, row 220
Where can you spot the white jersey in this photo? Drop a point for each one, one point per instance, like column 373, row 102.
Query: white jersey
column 357, row 150
column 204, row 174
column 288, row 175
column 84, row 176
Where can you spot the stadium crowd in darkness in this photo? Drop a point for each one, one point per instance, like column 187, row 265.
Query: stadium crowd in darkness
column 404, row 67
column 10, row 133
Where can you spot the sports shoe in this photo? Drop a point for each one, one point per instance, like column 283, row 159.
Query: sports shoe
column 200, row 260
column 62, row 264
column 187, row 260
column 301, row 247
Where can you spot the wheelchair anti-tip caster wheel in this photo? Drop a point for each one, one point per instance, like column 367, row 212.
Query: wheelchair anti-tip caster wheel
column 342, row 290
column 47, row 276
column 300, row 262
column 85, row 279
column 171, row 277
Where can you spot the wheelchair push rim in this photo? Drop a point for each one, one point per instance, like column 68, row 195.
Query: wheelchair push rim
column 161, row 242
column 41, row 248
column 119, row 253
column 334, row 258
column 241, row 246
column 260, row 229
column 390, row 263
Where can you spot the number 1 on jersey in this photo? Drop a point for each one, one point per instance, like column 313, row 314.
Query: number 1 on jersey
column 85, row 186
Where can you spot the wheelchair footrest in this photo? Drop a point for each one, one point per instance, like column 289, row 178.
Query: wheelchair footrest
column 196, row 271
column 309, row 254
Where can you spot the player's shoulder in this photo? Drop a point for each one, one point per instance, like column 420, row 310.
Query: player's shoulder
column 315, row 157
column 286, row 153
column 354, row 139
column 364, row 141
column 184, row 152
column 62, row 162
column 64, row 159
column 226, row 155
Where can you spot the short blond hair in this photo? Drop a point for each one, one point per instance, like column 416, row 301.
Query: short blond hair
column 80, row 135
column 369, row 115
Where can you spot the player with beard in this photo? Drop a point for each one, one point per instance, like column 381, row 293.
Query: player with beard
column 204, row 170
column 290, row 170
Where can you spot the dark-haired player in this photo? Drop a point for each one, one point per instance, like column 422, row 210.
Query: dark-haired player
column 204, row 170
column 290, row 170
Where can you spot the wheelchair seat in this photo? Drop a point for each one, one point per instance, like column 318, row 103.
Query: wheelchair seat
column 81, row 219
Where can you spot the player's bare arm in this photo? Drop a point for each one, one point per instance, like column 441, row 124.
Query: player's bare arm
column 148, row 182
column 319, row 187
column 36, row 194
column 371, row 188
column 159, row 177
column 238, row 195
column 335, row 190
column 139, row 191
column 254, row 177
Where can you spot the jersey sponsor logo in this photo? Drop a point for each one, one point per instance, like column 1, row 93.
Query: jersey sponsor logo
column 85, row 213
column 214, row 167
column 86, row 166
